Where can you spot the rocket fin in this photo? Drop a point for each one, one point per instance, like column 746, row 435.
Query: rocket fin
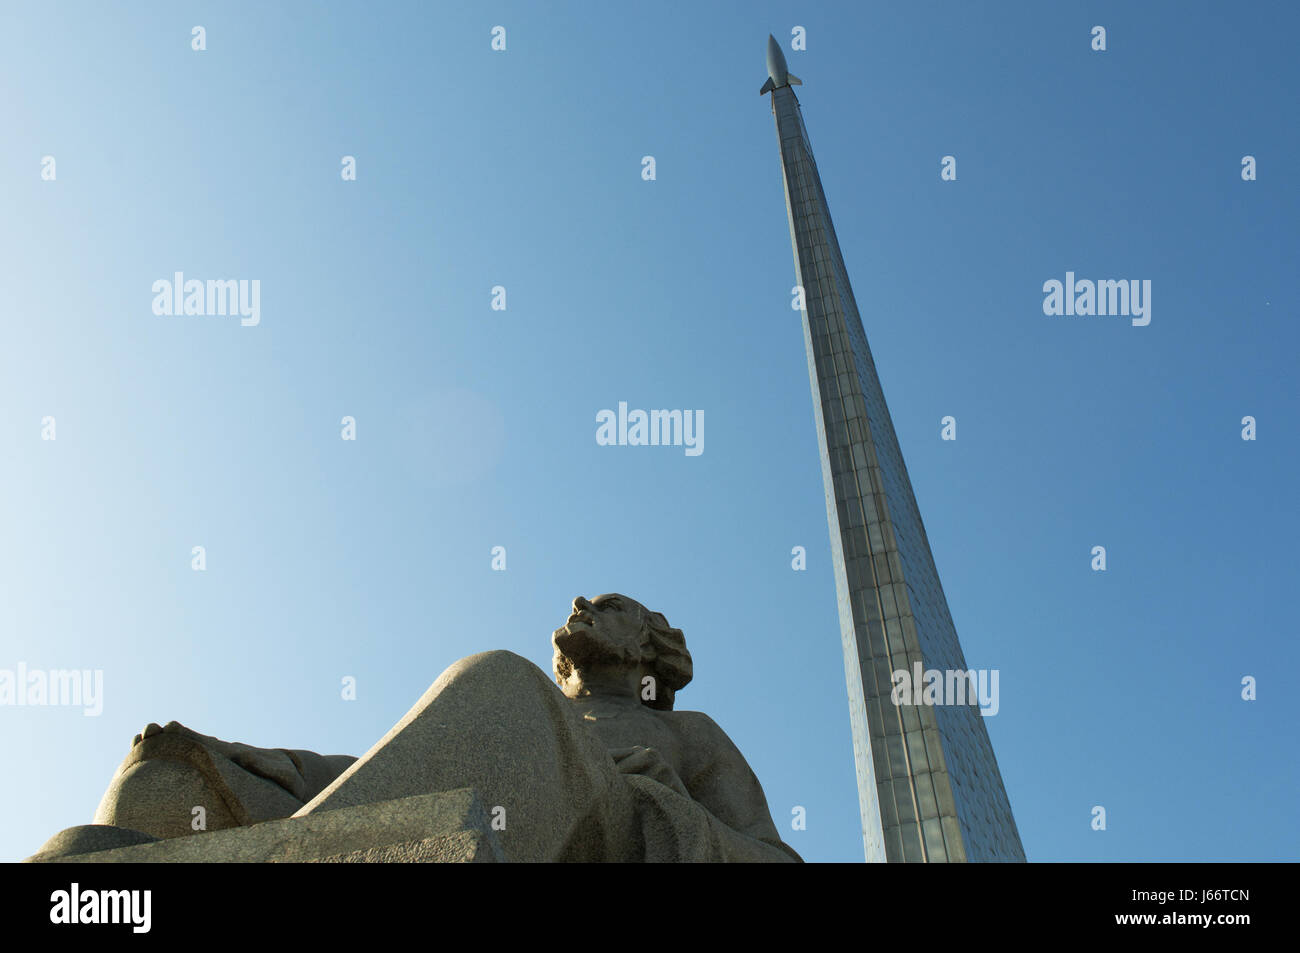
column 793, row 80
column 767, row 87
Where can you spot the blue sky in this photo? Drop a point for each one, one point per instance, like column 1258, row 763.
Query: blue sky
column 476, row 428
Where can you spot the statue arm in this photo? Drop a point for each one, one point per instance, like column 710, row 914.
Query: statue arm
column 723, row 783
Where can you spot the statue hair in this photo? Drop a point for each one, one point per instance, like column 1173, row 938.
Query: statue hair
column 671, row 666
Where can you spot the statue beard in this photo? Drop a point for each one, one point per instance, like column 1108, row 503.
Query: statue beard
column 585, row 646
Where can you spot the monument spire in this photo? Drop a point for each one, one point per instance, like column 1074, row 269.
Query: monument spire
column 929, row 788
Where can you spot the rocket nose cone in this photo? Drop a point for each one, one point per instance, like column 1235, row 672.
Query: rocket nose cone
column 775, row 61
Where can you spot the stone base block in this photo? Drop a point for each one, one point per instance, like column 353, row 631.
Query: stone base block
column 448, row 827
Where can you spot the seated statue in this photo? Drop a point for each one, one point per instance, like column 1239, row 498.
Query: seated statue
column 600, row 768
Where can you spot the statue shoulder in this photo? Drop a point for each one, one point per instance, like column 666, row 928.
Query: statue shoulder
column 698, row 729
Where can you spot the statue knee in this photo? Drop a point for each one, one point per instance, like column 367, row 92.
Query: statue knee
column 496, row 665
column 164, row 798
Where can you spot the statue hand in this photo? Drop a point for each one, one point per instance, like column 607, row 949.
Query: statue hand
column 649, row 763
column 272, row 764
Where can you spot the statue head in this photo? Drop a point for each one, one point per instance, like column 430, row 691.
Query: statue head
column 613, row 631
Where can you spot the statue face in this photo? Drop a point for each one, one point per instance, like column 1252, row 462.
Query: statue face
column 605, row 629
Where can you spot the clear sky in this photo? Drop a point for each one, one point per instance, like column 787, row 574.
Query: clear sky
column 475, row 428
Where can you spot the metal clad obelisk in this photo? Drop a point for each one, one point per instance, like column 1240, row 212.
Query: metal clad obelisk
column 928, row 784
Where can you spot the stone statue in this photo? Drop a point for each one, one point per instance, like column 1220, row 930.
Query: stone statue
column 599, row 769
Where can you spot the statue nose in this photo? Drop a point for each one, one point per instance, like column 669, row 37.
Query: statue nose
column 580, row 604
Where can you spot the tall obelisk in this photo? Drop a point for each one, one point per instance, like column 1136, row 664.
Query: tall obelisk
column 928, row 784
